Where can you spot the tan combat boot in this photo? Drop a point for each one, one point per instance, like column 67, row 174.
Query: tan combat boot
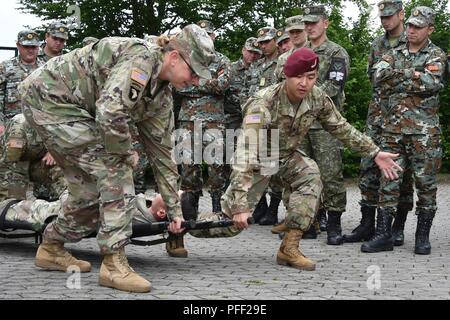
column 175, row 248
column 115, row 272
column 279, row 228
column 289, row 253
column 53, row 256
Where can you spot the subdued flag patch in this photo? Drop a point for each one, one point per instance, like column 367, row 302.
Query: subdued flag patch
column 139, row 76
column 253, row 119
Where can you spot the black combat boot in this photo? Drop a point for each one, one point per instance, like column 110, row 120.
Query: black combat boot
column 366, row 228
column 261, row 209
column 334, row 230
column 189, row 205
column 271, row 216
column 215, row 199
column 382, row 240
column 399, row 225
column 322, row 218
column 424, row 222
column 311, row 233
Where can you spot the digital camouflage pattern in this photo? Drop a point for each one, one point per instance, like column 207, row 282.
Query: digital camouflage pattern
column 387, row 8
column 12, row 73
column 233, row 111
column 56, row 29
column 20, row 164
column 261, row 75
column 81, row 104
column 299, row 175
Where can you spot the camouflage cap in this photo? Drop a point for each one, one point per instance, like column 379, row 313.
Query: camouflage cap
column 89, row 40
column 196, row 47
column 282, row 35
column 294, row 23
column 252, row 45
column 314, row 13
column 266, row 33
column 59, row 30
column 28, row 38
column 387, row 8
column 207, row 25
column 421, row 17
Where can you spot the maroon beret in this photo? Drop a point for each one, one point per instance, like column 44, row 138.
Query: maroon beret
column 301, row 61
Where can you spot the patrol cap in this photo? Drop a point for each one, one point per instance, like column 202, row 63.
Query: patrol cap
column 28, row 38
column 196, row 47
column 252, row 45
column 301, row 61
column 313, row 13
column 294, row 23
column 266, row 33
column 59, row 30
column 422, row 17
column 207, row 25
column 282, row 35
column 89, row 40
column 387, row 8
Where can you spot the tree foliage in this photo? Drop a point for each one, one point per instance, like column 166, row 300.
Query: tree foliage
column 237, row 20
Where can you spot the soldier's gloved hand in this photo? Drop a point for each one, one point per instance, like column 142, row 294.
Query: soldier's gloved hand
column 387, row 165
column 175, row 225
column 240, row 220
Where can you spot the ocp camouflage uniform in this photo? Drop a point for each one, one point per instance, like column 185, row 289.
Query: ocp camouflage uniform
column 205, row 104
column 299, row 175
column 20, row 164
column 80, row 104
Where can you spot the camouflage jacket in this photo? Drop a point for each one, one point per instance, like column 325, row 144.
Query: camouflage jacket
column 271, row 109
column 12, row 72
column 261, row 75
column 410, row 83
column 114, row 83
column 206, row 102
column 239, row 72
column 379, row 47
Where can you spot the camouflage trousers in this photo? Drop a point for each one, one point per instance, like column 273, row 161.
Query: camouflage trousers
column 100, row 185
column 327, row 152
column 139, row 172
column 370, row 175
column 191, row 173
column 422, row 154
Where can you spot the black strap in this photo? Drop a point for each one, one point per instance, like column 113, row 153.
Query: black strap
column 5, row 210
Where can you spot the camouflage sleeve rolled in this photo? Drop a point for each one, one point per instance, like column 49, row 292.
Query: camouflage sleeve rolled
column 334, row 81
column 217, row 85
column 2, row 94
column 428, row 79
column 337, row 125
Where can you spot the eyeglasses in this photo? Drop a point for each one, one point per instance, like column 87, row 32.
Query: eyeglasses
column 193, row 73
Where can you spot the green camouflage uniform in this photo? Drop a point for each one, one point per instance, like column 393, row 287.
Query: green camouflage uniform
column 369, row 180
column 81, row 105
column 300, row 177
column 410, row 116
column 56, row 29
column 12, row 72
column 20, row 164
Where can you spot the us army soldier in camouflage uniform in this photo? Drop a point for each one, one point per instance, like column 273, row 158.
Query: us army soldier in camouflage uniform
column 204, row 104
column 411, row 75
column 80, row 104
column 296, row 31
column 24, row 159
column 289, row 108
column 284, row 43
column 13, row 71
column 319, row 144
column 261, row 76
column 55, row 40
column 391, row 15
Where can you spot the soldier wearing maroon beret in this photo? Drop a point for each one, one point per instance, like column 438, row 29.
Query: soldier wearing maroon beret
column 285, row 112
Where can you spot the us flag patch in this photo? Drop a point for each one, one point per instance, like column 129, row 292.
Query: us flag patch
column 253, row 119
column 139, row 76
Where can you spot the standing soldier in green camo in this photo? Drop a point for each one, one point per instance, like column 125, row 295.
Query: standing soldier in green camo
column 13, row 71
column 204, row 104
column 391, row 15
column 261, row 76
column 81, row 105
column 319, row 144
column 55, row 40
column 289, row 108
column 412, row 76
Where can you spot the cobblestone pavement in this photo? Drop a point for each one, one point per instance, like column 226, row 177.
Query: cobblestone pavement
column 244, row 267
